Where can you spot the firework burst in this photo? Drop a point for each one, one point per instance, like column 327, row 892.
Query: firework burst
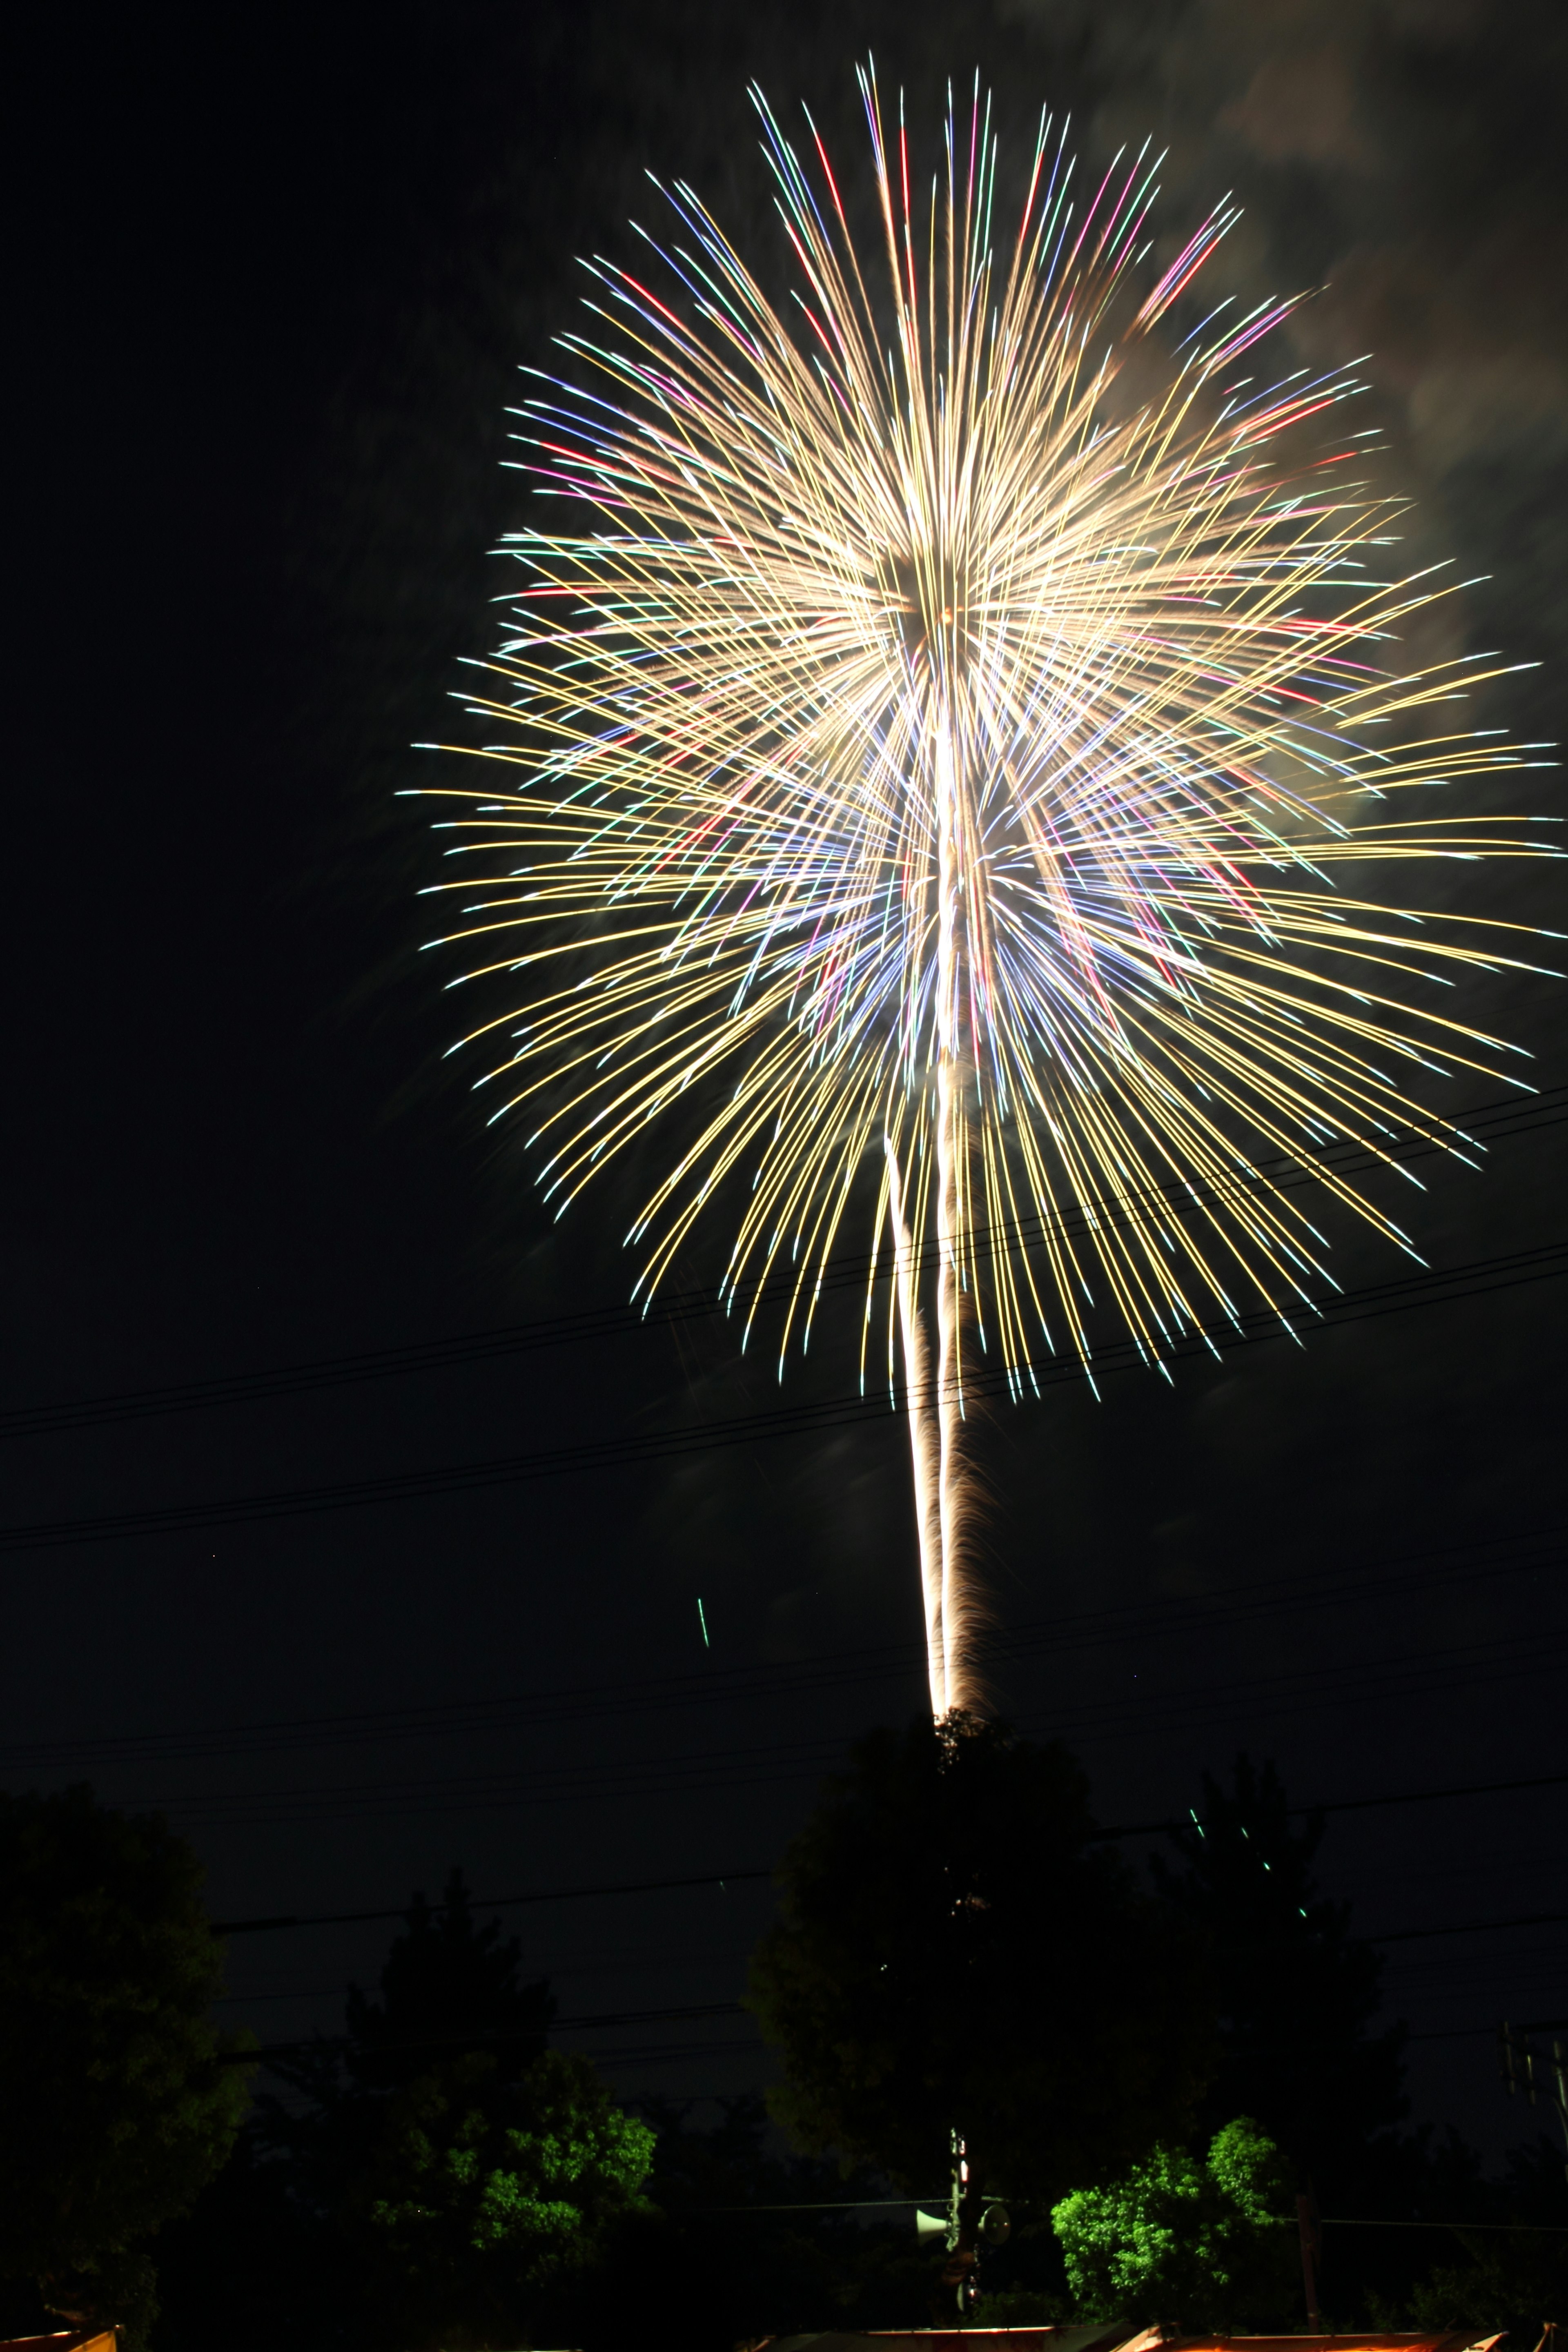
column 932, row 755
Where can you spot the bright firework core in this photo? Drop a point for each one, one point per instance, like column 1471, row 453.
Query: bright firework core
column 927, row 767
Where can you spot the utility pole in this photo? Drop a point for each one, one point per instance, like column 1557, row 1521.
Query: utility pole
column 971, row 2218
column 1308, row 2223
column 1520, row 2067
column 958, row 2275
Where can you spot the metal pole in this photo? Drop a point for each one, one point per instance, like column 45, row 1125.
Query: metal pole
column 1311, row 2235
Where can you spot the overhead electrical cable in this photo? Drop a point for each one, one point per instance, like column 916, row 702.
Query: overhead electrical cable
column 615, row 2017
column 1369, row 1579
column 1492, row 1121
column 1478, row 1279
column 773, row 1764
column 1470, row 1927
column 751, row 1872
column 1346, row 1682
column 939, row 2198
column 484, row 1903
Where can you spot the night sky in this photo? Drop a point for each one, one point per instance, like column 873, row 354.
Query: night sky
column 277, row 272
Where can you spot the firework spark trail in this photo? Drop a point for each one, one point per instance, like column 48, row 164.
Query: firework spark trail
column 929, row 755
column 925, row 1431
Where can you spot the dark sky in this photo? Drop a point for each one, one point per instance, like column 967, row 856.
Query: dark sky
column 275, row 273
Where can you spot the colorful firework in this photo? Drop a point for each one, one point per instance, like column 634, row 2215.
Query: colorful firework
column 929, row 755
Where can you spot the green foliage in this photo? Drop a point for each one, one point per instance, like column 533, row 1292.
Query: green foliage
column 1202, row 2245
column 1020, row 2307
column 951, row 1951
column 1510, row 2280
column 486, row 2193
column 116, row 2108
column 290, row 2217
column 448, row 1989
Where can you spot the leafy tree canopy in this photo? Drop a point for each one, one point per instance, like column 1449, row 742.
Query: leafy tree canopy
column 1204, row 2245
column 448, row 1988
column 952, row 1953
column 440, row 2166
column 1514, row 2279
column 488, row 2189
column 116, row 2108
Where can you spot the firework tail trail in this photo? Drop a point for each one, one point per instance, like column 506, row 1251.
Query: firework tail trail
column 925, row 1433
column 929, row 754
column 955, row 1487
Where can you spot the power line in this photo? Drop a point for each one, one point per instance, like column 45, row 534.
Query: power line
column 1446, row 1564
column 1478, row 1279
column 1529, row 2229
column 1398, row 1797
column 664, row 2052
column 602, row 2022
column 667, row 2053
column 939, row 2198
column 1515, row 1658
column 1258, row 1596
column 659, row 2053
column 1458, row 2033
column 646, row 1960
column 696, row 1768
column 721, row 1878
column 1430, row 1796
column 1339, row 1684
column 486, row 1903
column 1494, row 1121
column 1470, row 1927
column 1469, row 1666
column 607, row 2019
column 836, row 2204
column 1350, row 1680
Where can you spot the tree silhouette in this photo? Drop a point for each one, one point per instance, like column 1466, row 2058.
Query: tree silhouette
column 1297, row 1992
column 952, row 1952
column 117, row 2110
column 448, row 1987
